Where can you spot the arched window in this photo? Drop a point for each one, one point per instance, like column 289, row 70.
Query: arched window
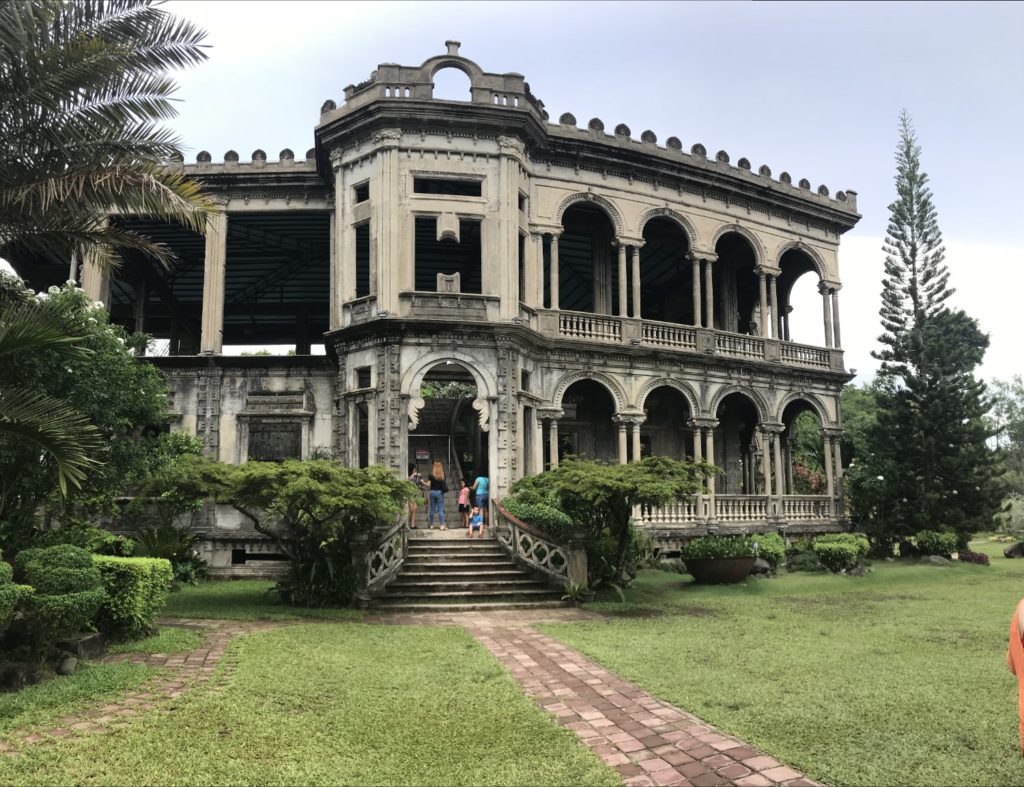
column 451, row 84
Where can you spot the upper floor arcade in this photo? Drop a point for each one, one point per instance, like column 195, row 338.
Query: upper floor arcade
column 416, row 204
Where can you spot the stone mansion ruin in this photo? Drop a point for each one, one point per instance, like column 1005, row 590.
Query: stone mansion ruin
column 580, row 292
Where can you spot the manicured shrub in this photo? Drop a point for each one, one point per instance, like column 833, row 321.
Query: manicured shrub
column 932, row 542
column 178, row 545
column 546, row 518
column 11, row 596
column 68, row 592
column 710, row 547
column 968, row 556
column 137, row 589
column 770, row 548
column 804, row 561
column 80, row 533
column 841, row 551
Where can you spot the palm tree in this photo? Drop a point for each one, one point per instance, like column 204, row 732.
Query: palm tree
column 83, row 92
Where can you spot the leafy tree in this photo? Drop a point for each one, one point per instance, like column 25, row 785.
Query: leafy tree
column 600, row 498
column 1008, row 422
column 83, row 91
column 112, row 396
column 312, row 511
column 928, row 466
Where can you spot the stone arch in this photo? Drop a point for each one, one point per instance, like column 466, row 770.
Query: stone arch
column 486, row 385
column 606, row 205
column 685, row 224
column 618, row 395
column 666, row 382
column 467, row 67
column 759, row 402
column 755, row 242
column 812, row 253
column 812, row 399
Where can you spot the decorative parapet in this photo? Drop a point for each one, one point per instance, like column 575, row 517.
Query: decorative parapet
column 563, row 564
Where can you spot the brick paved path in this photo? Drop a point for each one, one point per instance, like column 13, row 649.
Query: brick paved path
column 182, row 672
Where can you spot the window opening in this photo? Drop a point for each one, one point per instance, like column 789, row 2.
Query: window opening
column 448, row 257
column 363, row 260
column 448, row 186
column 363, row 377
column 361, row 192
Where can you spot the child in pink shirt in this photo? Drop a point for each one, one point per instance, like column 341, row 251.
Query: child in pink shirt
column 464, row 503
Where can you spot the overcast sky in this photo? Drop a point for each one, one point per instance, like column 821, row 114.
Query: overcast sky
column 811, row 88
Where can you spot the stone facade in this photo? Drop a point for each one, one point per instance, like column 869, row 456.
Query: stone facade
column 605, row 295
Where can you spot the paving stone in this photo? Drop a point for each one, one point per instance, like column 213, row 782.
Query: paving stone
column 761, row 763
column 781, row 774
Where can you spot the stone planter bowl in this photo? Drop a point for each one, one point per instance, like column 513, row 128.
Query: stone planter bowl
column 720, row 571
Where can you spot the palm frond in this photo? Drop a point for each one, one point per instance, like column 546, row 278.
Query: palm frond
column 35, row 326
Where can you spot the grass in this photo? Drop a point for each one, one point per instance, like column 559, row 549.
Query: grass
column 168, row 640
column 335, row 704
column 243, row 599
column 91, row 685
column 894, row 678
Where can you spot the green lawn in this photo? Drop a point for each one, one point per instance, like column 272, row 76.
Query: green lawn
column 90, row 686
column 335, row 704
column 168, row 640
column 895, row 678
column 243, row 599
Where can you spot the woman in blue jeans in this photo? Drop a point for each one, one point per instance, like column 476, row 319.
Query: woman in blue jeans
column 437, row 489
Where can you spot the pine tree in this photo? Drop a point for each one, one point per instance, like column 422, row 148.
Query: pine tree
column 929, row 446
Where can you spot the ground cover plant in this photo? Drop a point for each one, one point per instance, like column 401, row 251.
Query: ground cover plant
column 898, row 677
column 335, row 704
column 243, row 599
column 169, row 640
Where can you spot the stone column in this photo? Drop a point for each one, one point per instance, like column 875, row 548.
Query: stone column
column 775, row 308
column 712, row 514
column 388, row 269
column 789, row 465
column 709, row 295
column 623, row 284
column 837, row 342
column 636, row 281
column 539, row 270
column 95, row 280
column 554, row 271
column 636, row 439
column 766, row 470
column 553, row 444
column 777, row 455
column 695, row 264
column 826, row 309
column 829, row 477
column 698, row 434
column 763, row 290
column 785, row 323
column 538, row 444
column 212, row 339
column 623, row 458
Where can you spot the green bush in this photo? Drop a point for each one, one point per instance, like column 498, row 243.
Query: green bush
column 804, row 561
column 11, row 596
column 770, row 548
column 841, row 551
column 542, row 516
column 80, row 533
column 137, row 589
column 177, row 545
column 69, row 591
column 6, row 573
column 932, row 542
column 709, row 547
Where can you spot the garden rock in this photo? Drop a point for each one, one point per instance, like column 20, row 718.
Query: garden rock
column 937, row 560
column 1016, row 550
column 67, row 665
column 762, row 568
column 87, row 645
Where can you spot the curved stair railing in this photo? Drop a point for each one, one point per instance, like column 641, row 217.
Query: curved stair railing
column 563, row 564
column 377, row 557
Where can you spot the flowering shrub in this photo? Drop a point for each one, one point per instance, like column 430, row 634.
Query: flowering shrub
column 968, row 556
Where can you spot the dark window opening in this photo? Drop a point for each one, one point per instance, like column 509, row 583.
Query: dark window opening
column 363, row 378
column 361, row 192
column 448, row 186
column 274, row 442
column 448, row 257
column 363, row 260
column 522, row 202
column 524, row 380
column 588, row 271
column 363, row 435
column 238, row 557
column 522, row 268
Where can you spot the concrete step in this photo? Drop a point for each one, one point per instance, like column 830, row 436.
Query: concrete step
column 473, row 595
column 434, row 566
column 424, row 573
column 396, row 605
column 509, row 586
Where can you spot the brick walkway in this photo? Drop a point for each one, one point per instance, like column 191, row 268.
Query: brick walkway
column 649, row 742
column 182, row 672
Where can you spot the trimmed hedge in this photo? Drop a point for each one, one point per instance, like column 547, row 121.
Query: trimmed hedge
column 771, row 548
column 137, row 589
column 68, row 594
column 932, row 542
column 549, row 519
column 711, row 547
column 11, row 596
column 841, row 551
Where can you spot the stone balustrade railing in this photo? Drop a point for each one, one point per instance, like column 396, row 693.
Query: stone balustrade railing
column 799, row 508
column 564, row 564
column 737, row 510
column 686, row 512
column 665, row 334
column 739, row 345
column 596, row 328
column 377, row 557
column 805, row 355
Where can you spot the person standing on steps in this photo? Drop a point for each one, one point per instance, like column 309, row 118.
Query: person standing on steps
column 438, row 487
column 414, row 505
column 464, row 503
column 482, row 490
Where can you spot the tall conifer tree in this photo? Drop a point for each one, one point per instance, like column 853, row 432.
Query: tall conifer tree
column 929, row 445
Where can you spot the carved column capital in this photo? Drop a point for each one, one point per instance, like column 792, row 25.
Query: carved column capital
column 387, row 137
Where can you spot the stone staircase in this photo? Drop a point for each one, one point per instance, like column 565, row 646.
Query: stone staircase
column 447, row 572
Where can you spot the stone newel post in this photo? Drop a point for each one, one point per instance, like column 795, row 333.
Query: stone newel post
column 360, row 552
column 577, row 566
